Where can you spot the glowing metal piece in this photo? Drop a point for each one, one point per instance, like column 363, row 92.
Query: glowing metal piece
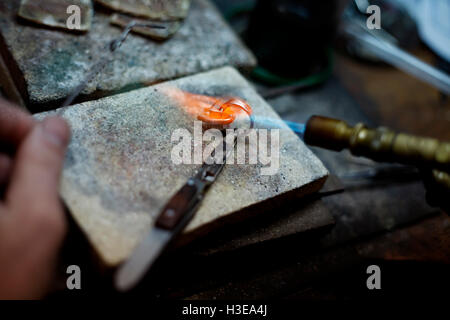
column 215, row 111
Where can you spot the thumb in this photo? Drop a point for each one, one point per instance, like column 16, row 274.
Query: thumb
column 33, row 191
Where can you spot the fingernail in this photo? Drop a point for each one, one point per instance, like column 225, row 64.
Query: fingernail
column 56, row 131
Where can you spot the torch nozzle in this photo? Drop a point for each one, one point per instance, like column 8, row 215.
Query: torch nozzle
column 380, row 144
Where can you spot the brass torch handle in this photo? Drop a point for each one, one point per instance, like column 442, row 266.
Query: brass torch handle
column 379, row 144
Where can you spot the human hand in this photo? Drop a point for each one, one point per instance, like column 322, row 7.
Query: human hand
column 32, row 222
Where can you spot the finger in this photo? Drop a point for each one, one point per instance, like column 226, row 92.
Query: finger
column 15, row 123
column 34, row 184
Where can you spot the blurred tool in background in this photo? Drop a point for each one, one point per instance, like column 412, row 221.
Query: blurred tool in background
column 378, row 44
column 397, row 24
column 433, row 22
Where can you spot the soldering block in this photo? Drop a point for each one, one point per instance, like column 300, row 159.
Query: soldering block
column 47, row 65
column 118, row 171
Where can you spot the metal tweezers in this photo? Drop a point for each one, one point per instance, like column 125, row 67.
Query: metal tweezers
column 174, row 217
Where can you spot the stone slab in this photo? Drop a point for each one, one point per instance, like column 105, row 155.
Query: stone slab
column 48, row 64
column 118, row 172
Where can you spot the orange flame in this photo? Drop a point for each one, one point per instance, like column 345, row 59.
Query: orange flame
column 212, row 110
